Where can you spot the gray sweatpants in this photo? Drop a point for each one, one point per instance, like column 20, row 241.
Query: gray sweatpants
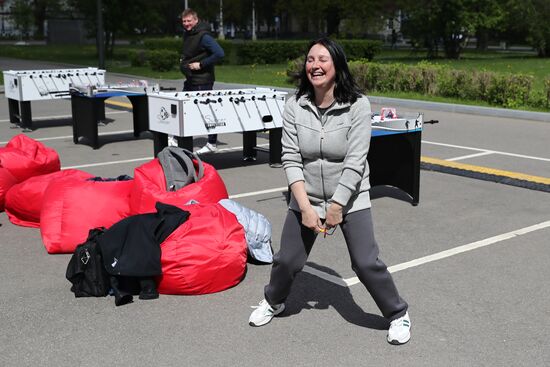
column 296, row 244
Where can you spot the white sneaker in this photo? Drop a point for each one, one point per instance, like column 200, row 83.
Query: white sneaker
column 264, row 313
column 172, row 142
column 400, row 330
column 208, row 148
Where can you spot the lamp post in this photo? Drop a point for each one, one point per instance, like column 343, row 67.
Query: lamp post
column 221, row 34
column 100, row 42
column 253, row 21
column 3, row 29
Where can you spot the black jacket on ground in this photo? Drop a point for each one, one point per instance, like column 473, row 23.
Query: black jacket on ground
column 131, row 247
column 131, row 251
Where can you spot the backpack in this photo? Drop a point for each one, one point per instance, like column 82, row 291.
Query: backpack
column 86, row 271
column 178, row 166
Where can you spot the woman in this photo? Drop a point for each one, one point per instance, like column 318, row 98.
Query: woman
column 326, row 137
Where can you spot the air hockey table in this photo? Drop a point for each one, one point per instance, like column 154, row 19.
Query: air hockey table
column 394, row 154
column 88, row 102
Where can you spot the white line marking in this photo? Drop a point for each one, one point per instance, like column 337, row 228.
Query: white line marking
column 269, row 191
column 328, row 277
column 108, row 163
column 70, row 136
column 149, row 158
column 486, row 150
column 455, row 251
column 469, row 156
column 41, row 118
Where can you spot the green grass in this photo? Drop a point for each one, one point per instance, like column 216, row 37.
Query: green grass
column 502, row 62
column 275, row 74
column 269, row 75
column 423, row 97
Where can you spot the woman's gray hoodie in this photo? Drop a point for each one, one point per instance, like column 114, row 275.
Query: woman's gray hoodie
column 328, row 152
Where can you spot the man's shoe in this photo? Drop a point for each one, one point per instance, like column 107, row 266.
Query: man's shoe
column 208, row 148
column 172, row 141
column 264, row 313
column 400, row 330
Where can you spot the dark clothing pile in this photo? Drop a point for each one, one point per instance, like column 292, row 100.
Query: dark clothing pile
column 130, row 251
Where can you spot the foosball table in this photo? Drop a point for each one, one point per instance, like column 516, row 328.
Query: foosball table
column 23, row 86
column 187, row 114
column 88, row 106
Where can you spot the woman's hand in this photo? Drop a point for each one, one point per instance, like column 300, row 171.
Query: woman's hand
column 311, row 220
column 334, row 215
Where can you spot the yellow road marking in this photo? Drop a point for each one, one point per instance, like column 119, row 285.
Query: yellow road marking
column 486, row 170
column 119, row 104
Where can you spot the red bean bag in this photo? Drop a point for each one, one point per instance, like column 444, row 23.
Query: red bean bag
column 205, row 254
column 24, row 200
column 6, row 183
column 150, row 187
column 72, row 207
column 25, row 157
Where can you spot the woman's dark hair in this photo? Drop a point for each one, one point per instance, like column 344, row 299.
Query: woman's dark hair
column 345, row 89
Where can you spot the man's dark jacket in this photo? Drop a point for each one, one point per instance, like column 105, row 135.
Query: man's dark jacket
column 193, row 52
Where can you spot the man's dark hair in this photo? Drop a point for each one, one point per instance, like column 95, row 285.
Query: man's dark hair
column 345, row 89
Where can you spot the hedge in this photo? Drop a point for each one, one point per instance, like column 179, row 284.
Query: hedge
column 157, row 59
column 269, row 52
column 499, row 89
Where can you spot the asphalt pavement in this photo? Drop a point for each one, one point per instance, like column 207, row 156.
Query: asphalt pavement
column 471, row 260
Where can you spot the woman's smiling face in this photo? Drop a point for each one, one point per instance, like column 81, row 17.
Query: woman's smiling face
column 320, row 68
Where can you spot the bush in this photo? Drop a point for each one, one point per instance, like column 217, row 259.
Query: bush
column 176, row 44
column 166, row 43
column 138, row 57
column 163, row 60
column 547, row 88
column 293, row 70
column 505, row 90
column 269, row 52
column 361, row 49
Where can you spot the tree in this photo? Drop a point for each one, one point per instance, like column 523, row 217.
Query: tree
column 362, row 17
column 22, row 16
column 331, row 16
column 431, row 23
column 42, row 9
column 489, row 18
column 530, row 19
column 119, row 17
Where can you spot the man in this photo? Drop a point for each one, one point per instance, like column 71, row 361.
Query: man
column 199, row 54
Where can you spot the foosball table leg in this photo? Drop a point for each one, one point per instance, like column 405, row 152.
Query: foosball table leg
column 185, row 142
column 13, row 106
column 249, row 146
column 160, row 141
column 275, row 147
column 26, row 116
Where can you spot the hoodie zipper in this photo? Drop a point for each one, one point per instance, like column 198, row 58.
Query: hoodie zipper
column 322, row 117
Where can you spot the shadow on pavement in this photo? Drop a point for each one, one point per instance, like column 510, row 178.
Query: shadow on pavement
column 41, row 124
column 310, row 292
column 377, row 192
